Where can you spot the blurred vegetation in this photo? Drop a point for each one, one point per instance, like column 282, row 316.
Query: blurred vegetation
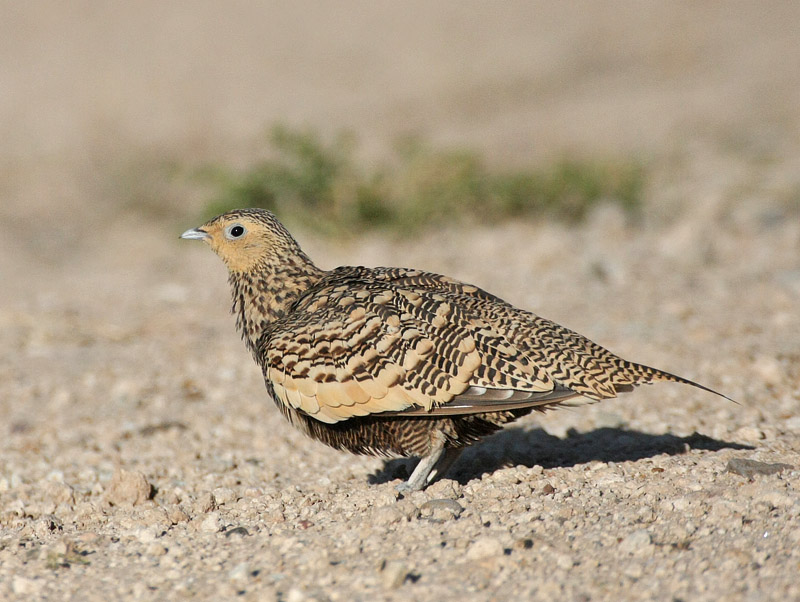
column 308, row 180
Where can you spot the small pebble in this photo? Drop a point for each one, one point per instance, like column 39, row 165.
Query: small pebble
column 176, row 515
column 634, row 570
column 393, row 574
column 155, row 549
column 444, row 489
column 240, row 572
column 223, row 495
column 386, row 497
column 145, row 534
column 295, row 594
column 749, row 433
column 750, row 468
column 769, row 369
column 485, row 547
column 205, row 503
column 128, row 488
column 22, row 586
column 211, row 523
column 637, row 543
column 60, row 493
column 441, row 509
column 418, row 497
column 563, row 561
column 408, row 509
column 386, row 515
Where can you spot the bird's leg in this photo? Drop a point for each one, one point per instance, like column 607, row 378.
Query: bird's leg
column 419, row 478
column 430, row 467
column 451, row 454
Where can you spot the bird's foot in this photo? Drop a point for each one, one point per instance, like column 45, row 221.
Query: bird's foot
column 405, row 488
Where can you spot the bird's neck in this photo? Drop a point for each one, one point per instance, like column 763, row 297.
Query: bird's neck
column 262, row 296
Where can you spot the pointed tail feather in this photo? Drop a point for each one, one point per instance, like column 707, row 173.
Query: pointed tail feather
column 648, row 375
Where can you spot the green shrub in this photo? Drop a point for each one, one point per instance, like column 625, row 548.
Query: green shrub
column 308, row 180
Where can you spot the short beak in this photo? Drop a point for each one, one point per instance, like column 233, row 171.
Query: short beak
column 196, row 234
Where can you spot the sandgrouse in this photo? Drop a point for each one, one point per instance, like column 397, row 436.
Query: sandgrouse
column 399, row 362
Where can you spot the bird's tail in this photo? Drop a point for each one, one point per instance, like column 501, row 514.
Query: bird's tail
column 645, row 375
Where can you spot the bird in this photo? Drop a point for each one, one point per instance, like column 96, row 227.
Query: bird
column 399, row 362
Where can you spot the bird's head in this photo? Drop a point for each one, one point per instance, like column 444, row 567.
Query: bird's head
column 246, row 239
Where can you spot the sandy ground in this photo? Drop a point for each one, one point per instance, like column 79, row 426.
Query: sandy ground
column 140, row 457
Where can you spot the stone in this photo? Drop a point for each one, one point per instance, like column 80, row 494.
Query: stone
column 749, row 433
column 223, row 495
column 240, row 572
column 295, row 594
column 386, row 515
column 441, row 509
column 145, row 534
column 444, row 489
column 128, row 488
column 393, row 574
column 563, row 561
column 769, row 369
column 637, row 543
column 485, row 547
column 211, row 523
column 749, row 468
column 176, row 515
column 60, row 493
column 22, row 586
column 155, row 549
column 205, row 503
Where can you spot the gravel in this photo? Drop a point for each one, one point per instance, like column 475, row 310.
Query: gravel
column 669, row 489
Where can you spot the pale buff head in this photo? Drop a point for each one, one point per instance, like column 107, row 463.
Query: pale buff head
column 246, row 239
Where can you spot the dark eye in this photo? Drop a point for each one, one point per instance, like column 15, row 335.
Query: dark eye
column 235, row 231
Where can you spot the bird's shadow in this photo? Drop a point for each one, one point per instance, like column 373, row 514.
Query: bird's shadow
column 517, row 446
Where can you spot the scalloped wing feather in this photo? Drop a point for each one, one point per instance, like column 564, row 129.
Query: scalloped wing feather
column 367, row 341
column 388, row 350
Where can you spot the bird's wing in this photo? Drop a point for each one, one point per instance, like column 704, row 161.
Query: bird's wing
column 574, row 362
column 570, row 359
column 360, row 347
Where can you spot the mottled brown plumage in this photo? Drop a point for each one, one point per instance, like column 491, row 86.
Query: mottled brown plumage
column 399, row 362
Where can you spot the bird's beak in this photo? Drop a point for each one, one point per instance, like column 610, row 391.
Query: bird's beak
column 196, row 234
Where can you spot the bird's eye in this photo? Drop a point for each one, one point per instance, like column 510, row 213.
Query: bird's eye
column 235, row 231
